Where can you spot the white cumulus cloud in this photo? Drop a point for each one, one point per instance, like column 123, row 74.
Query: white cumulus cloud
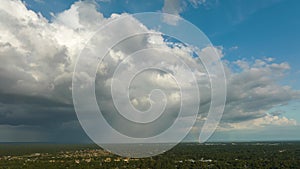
column 38, row 58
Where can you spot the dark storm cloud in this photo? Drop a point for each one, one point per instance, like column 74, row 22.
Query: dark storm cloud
column 30, row 110
column 9, row 98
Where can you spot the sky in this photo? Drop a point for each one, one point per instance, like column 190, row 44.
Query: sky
column 258, row 42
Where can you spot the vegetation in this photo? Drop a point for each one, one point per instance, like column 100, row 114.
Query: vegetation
column 184, row 156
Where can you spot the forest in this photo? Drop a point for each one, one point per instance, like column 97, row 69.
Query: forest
column 184, row 156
